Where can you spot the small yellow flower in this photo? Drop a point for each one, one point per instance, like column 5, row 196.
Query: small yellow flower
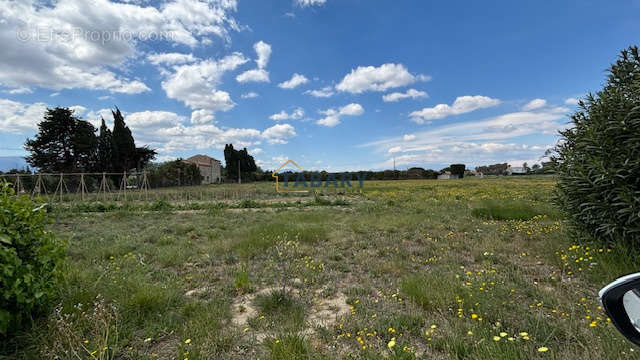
column 391, row 343
column 474, row 316
column 246, row 329
column 188, row 341
column 469, row 332
column 86, row 341
column 543, row 349
column 434, row 326
column 277, row 341
column 496, row 338
column 503, row 334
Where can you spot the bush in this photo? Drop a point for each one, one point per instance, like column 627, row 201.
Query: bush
column 29, row 257
column 598, row 158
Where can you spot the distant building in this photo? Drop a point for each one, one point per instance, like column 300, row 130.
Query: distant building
column 210, row 168
column 447, row 175
column 516, row 170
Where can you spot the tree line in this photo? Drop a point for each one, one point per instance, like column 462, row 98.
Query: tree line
column 65, row 143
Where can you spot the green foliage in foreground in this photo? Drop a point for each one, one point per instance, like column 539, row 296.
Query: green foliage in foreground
column 598, row 159
column 29, row 257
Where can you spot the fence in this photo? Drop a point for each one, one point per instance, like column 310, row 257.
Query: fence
column 66, row 187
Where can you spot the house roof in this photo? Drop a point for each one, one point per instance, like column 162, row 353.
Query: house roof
column 203, row 160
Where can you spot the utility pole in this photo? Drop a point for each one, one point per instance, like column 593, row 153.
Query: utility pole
column 394, row 163
column 239, row 180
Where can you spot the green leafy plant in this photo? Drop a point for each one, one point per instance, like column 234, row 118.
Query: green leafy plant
column 598, row 157
column 29, row 258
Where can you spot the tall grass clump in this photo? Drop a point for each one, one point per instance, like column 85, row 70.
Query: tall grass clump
column 598, row 158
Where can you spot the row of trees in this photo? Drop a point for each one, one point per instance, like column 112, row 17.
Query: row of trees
column 66, row 143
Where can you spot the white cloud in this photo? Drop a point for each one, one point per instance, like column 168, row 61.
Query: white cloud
column 295, row 81
column 297, row 114
column 85, row 44
column 394, row 150
column 170, row 58
column 408, row 137
column 307, row 3
column 202, row 116
column 255, row 75
column 255, row 151
column 264, row 53
column 332, row 116
column 382, row 78
column 279, row 133
column 16, row 117
column 263, row 50
column 325, row 92
column 250, row 95
column 195, row 84
column 78, row 110
column 534, row 104
column 22, row 90
column 477, row 142
column 571, row 101
column 462, row 104
column 153, row 120
column 411, row 93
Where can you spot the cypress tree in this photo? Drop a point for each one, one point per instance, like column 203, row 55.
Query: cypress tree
column 124, row 147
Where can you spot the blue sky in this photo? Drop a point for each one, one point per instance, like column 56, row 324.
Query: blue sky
column 333, row 84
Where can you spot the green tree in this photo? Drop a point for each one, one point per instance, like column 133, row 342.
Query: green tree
column 64, row 143
column 124, row 147
column 598, row 158
column 104, row 156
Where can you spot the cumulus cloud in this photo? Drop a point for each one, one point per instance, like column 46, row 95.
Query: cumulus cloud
column 195, row 84
column 263, row 50
column 86, row 43
column 394, row 150
column 534, row 104
column 307, row 3
column 16, row 117
column 255, row 75
column 462, row 104
column 333, row 116
column 571, row 101
column 325, row 92
column 170, row 58
column 295, row 81
column 382, row 78
column 153, row 120
column 298, row 113
column 279, row 133
column 202, row 116
column 411, row 93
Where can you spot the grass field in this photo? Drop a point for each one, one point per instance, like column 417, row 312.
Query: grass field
column 473, row 268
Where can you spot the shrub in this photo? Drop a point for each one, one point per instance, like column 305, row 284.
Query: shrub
column 598, row 157
column 29, row 257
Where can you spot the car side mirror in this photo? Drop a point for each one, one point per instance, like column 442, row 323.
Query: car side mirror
column 621, row 301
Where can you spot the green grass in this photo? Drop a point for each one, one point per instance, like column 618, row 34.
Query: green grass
column 199, row 276
column 513, row 210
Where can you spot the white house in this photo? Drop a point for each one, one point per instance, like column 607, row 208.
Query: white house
column 518, row 170
column 210, row 168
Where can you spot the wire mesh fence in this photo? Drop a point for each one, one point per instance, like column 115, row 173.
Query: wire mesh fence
column 70, row 187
